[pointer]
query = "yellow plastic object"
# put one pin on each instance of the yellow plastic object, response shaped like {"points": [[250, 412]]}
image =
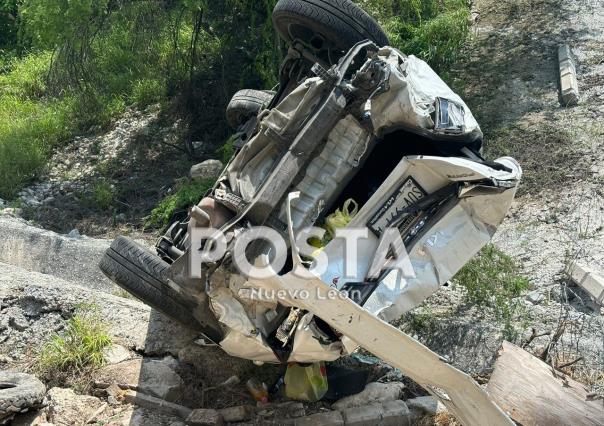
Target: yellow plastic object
{"points": [[338, 219], [306, 382], [341, 218]]}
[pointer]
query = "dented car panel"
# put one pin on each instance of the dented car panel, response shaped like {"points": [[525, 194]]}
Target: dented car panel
{"points": [[440, 248], [441, 197]]}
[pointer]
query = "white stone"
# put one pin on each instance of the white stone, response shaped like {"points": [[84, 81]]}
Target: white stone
{"points": [[396, 413], [330, 418], [426, 405], [74, 233], [116, 354], [569, 88], [66, 408], [373, 392], [209, 169], [535, 297], [391, 413], [590, 280]]}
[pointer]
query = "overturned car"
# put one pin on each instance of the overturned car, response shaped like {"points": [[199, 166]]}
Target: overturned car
{"points": [[256, 267]]}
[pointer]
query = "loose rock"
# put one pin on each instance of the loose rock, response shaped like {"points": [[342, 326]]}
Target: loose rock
{"points": [[425, 405], [209, 169], [330, 418], [116, 354], [154, 377], [66, 408], [237, 414], [204, 417], [373, 392]]}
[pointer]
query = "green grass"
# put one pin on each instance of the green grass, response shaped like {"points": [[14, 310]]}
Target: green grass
{"points": [[77, 350], [433, 30], [492, 280], [102, 195], [187, 195], [29, 126], [422, 320], [107, 58]]}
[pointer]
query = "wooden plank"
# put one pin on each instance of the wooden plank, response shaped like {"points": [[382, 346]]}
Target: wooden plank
{"points": [[458, 391], [532, 394]]}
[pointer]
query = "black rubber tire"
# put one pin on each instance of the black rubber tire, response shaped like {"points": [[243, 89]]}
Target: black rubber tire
{"points": [[340, 24], [145, 275], [246, 104], [19, 392]]}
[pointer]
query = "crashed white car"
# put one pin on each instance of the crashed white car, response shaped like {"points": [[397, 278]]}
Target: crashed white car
{"points": [[379, 128]]}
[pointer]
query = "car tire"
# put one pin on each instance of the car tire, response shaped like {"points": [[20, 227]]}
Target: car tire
{"points": [[246, 104], [19, 392], [331, 26], [145, 276]]}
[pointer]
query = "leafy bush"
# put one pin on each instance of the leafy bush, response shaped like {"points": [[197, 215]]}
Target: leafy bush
{"points": [[102, 195], [8, 27], [433, 30], [28, 132], [78, 349], [187, 195], [80, 63], [492, 280]]}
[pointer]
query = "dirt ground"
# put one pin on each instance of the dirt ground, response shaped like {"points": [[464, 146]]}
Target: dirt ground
{"points": [[509, 78]]}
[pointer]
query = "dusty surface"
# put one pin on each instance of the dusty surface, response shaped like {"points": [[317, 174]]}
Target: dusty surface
{"points": [[510, 81], [34, 305]]}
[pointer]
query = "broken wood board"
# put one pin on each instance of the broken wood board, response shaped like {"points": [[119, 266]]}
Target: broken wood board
{"points": [[469, 403], [534, 394], [590, 281]]}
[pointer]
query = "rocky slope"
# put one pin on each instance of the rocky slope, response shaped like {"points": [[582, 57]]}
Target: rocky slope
{"points": [[508, 76]]}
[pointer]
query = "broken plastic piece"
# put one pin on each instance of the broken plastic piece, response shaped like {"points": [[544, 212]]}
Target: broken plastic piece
{"points": [[258, 390]]}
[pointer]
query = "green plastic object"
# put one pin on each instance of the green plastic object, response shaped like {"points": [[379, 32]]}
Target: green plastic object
{"points": [[306, 382]]}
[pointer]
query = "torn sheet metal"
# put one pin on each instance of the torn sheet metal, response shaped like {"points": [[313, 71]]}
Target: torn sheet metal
{"points": [[446, 245], [247, 347], [458, 391], [243, 339], [420, 102], [312, 345]]}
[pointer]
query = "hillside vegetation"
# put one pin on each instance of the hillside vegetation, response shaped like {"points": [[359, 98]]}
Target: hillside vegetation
{"points": [[71, 67]]}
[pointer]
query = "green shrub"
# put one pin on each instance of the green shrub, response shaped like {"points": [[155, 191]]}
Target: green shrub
{"points": [[28, 132], [148, 91], [226, 151], [102, 195], [26, 78], [492, 280], [78, 348], [433, 30], [187, 195]]}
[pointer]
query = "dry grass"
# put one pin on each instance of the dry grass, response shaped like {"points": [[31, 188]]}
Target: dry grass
{"points": [[550, 155], [440, 419]]}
